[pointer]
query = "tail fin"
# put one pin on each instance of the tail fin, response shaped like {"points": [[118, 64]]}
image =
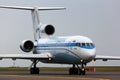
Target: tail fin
{"points": [[35, 15]]}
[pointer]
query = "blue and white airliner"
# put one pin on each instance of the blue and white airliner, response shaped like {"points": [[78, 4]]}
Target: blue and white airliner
{"points": [[75, 50]]}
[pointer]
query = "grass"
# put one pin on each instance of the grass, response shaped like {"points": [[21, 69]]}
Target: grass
{"points": [[107, 69], [13, 69], [98, 69]]}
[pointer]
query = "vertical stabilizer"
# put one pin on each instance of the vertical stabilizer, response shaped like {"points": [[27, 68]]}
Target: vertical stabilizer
{"points": [[35, 15]]}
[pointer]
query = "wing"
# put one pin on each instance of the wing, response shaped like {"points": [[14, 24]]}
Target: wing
{"points": [[105, 58], [41, 56]]}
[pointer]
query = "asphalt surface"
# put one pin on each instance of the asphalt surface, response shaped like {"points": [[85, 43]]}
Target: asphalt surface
{"points": [[21, 75]]}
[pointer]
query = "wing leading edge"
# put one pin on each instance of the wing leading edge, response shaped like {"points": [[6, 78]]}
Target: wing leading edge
{"points": [[105, 58], [41, 56]]}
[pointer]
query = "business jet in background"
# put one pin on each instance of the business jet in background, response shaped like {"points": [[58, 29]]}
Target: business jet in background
{"points": [[75, 50]]}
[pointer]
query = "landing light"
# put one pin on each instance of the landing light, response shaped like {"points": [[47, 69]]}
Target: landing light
{"points": [[93, 60], [50, 59], [83, 69], [81, 60]]}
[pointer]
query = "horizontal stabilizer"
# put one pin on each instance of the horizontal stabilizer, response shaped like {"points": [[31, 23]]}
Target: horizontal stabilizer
{"points": [[32, 8]]}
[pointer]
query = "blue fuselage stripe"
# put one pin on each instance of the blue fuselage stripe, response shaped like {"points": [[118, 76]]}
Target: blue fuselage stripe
{"points": [[65, 45]]}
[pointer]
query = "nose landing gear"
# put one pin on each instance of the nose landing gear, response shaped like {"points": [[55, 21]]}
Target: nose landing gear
{"points": [[77, 70], [73, 70]]}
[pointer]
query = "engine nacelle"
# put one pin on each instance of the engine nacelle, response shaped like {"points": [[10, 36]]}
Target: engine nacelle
{"points": [[48, 29], [27, 45]]}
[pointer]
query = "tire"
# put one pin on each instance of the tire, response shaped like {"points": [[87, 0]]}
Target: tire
{"points": [[34, 71], [82, 72], [73, 71]]}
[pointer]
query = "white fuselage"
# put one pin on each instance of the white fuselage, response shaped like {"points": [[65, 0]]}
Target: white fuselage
{"points": [[67, 50]]}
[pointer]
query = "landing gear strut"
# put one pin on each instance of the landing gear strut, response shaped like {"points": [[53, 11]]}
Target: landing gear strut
{"points": [[34, 69], [82, 70], [77, 70]]}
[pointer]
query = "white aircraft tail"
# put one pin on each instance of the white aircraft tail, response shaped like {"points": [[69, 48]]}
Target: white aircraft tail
{"points": [[35, 15]]}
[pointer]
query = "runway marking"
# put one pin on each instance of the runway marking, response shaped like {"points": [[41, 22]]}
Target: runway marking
{"points": [[52, 77]]}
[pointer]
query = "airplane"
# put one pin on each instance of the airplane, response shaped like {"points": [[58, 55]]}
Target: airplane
{"points": [[75, 50]]}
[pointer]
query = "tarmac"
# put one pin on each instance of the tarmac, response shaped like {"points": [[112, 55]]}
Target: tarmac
{"points": [[54, 75]]}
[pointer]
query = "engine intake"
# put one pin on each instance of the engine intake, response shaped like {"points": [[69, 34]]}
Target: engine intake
{"points": [[27, 45], [47, 29]]}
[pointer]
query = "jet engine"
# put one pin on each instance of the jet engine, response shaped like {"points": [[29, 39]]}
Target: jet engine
{"points": [[27, 45], [48, 29]]}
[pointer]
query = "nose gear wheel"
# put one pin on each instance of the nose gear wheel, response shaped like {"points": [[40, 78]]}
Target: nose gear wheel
{"points": [[76, 70]]}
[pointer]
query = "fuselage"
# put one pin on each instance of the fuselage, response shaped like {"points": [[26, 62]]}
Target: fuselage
{"points": [[67, 50]]}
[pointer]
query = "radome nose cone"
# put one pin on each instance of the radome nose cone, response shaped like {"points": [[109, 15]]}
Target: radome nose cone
{"points": [[90, 53]]}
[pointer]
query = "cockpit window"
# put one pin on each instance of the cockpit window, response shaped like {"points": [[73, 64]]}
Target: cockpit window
{"points": [[85, 44], [91, 44], [78, 44]]}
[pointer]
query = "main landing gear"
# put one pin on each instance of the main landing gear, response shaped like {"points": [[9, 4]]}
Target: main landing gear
{"points": [[34, 69], [77, 70]]}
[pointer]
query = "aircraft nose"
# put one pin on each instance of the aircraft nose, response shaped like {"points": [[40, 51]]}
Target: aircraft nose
{"points": [[92, 53], [89, 53]]}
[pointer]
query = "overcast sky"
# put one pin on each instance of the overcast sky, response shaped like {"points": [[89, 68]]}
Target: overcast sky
{"points": [[97, 19]]}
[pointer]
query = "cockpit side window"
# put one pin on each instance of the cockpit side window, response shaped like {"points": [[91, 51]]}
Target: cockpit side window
{"points": [[87, 44], [77, 44], [91, 44], [83, 44]]}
